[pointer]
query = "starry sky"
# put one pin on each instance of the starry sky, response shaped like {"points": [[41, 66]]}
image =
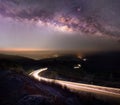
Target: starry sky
{"points": [[60, 24]]}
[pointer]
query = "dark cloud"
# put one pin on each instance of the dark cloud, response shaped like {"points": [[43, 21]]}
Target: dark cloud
{"points": [[92, 16]]}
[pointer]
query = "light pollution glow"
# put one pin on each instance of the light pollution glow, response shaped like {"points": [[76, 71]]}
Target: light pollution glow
{"points": [[65, 24]]}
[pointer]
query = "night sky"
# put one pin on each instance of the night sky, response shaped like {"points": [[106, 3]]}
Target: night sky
{"points": [[60, 24]]}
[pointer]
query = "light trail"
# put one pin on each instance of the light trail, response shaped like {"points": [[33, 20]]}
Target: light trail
{"points": [[105, 91]]}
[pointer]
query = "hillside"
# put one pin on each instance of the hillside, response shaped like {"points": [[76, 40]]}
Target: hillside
{"points": [[20, 89], [100, 68], [14, 61]]}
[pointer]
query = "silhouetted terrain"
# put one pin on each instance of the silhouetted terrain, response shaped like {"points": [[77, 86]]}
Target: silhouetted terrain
{"points": [[17, 88], [99, 68], [12, 61]]}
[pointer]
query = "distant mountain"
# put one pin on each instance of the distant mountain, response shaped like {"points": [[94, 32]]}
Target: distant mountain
{"points": [[14, 58], [7, 61], [64, 60]]}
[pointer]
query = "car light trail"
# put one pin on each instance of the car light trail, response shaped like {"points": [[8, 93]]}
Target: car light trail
{"points": [[106, 91]]}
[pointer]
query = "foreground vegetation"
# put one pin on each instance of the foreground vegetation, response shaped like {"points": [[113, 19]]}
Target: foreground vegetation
{"points": [[17, 88], [96, 69]]}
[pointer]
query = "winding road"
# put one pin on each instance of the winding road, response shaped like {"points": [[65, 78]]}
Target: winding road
{"points": [[102, 91]]}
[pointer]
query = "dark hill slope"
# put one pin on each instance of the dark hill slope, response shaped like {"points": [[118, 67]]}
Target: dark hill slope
{"points": [[105, 62], [20, 89], [14, 61]]}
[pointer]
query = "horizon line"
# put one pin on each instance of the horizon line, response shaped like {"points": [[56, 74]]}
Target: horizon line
{"points": [[22, 49]]}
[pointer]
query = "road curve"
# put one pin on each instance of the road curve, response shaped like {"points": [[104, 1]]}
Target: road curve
{"points": [[103, 91]]}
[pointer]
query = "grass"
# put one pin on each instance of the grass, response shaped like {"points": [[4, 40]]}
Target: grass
{"points": [[84, 97]]}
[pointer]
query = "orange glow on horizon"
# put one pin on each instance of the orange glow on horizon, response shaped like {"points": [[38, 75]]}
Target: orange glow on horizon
{"points": [[21, 49]]}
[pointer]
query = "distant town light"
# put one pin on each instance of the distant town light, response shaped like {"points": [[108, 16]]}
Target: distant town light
{"points": [[56, 55], [84, 59], [79, 57]]}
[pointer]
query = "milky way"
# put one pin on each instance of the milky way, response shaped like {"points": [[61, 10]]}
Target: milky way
{"points": [[85, 17]]}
